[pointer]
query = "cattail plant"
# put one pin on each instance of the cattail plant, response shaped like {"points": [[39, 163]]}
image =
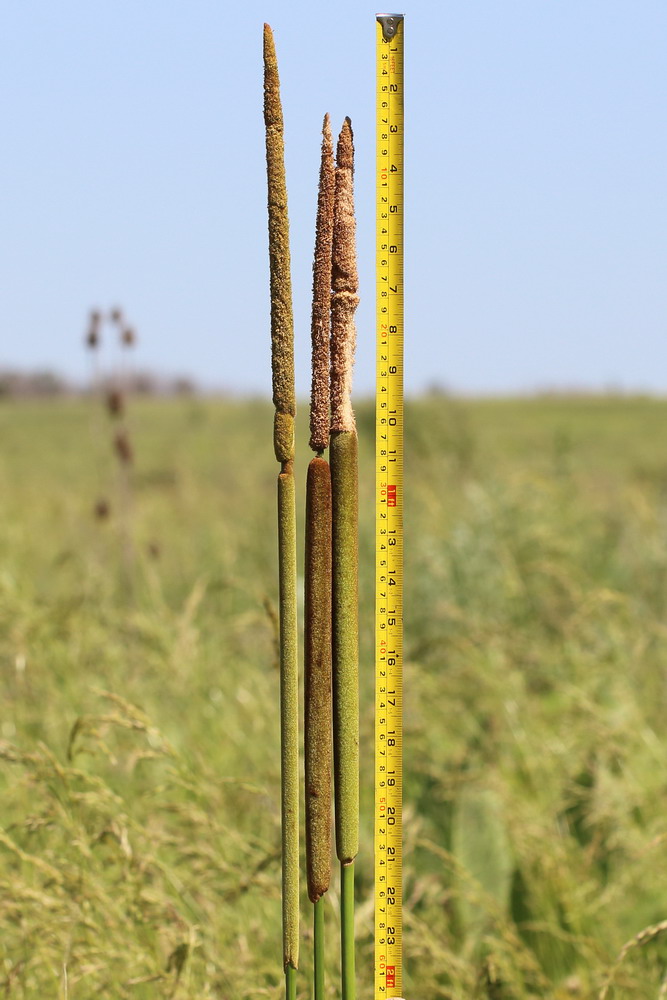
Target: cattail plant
{"points": [[318, 556], [344, 479], [282, 365], [118, 389], [93, 342], [128, 337], [93, 332]]}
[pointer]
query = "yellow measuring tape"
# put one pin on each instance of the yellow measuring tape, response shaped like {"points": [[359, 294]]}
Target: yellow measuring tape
{"points": [[389, 512]]}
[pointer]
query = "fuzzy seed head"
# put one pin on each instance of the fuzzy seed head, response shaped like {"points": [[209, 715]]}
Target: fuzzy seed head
{"points": [[344, 300], [321, 314], [282, 324]]}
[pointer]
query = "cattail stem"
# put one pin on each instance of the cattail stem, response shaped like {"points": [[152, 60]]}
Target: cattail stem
{"points": [[347, 930], [290, 982], [317, 666], [282, 366], [345, 504], [318, 937]]}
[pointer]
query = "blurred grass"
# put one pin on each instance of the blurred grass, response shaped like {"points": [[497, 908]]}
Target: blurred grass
{"points": [[139, 830]]}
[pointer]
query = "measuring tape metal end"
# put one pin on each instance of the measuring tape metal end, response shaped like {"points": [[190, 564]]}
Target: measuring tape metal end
{"points": [[389, 24]]}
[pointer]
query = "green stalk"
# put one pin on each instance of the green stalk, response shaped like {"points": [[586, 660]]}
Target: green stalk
{"points": [[290, 982], [347, 930], [318, 934]]}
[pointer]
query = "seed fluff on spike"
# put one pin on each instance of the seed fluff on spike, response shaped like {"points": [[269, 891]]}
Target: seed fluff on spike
{"points": [[321, 314], [282, 323], [344, 300]]}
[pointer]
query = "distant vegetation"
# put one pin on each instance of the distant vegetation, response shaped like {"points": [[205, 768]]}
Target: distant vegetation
{"points": [[36, 384], [139, 775]]}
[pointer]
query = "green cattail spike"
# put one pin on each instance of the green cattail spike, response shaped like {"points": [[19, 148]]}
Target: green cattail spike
{"points": [[282, 364], [344, 479], [289, 711], [282, 323], [321, 313]]}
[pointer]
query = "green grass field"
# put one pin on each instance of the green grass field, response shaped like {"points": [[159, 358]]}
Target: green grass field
{"points": [[139, 764]]}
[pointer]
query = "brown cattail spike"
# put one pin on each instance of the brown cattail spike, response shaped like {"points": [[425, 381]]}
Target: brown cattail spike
{"points": [[345, 282], [282, 324], [317, 678], [321, 315]]}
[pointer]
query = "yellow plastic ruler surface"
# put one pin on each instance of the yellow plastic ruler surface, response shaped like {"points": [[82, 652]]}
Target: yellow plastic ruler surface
{"points": [[389, 511]]}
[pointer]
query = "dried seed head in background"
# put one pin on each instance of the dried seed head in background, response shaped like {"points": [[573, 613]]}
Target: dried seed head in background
{"points": [[282, 323], [115, 403], [321, 314], [344, 300], [102, 510], [123, 448], [93, 334], [128, 337], [116, 315]]}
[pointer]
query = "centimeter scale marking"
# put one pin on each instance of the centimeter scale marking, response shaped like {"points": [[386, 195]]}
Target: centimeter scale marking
{"points": [[389, 511]]}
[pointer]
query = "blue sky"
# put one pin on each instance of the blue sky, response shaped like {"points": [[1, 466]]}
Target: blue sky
{"points": [[536, 185]]}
